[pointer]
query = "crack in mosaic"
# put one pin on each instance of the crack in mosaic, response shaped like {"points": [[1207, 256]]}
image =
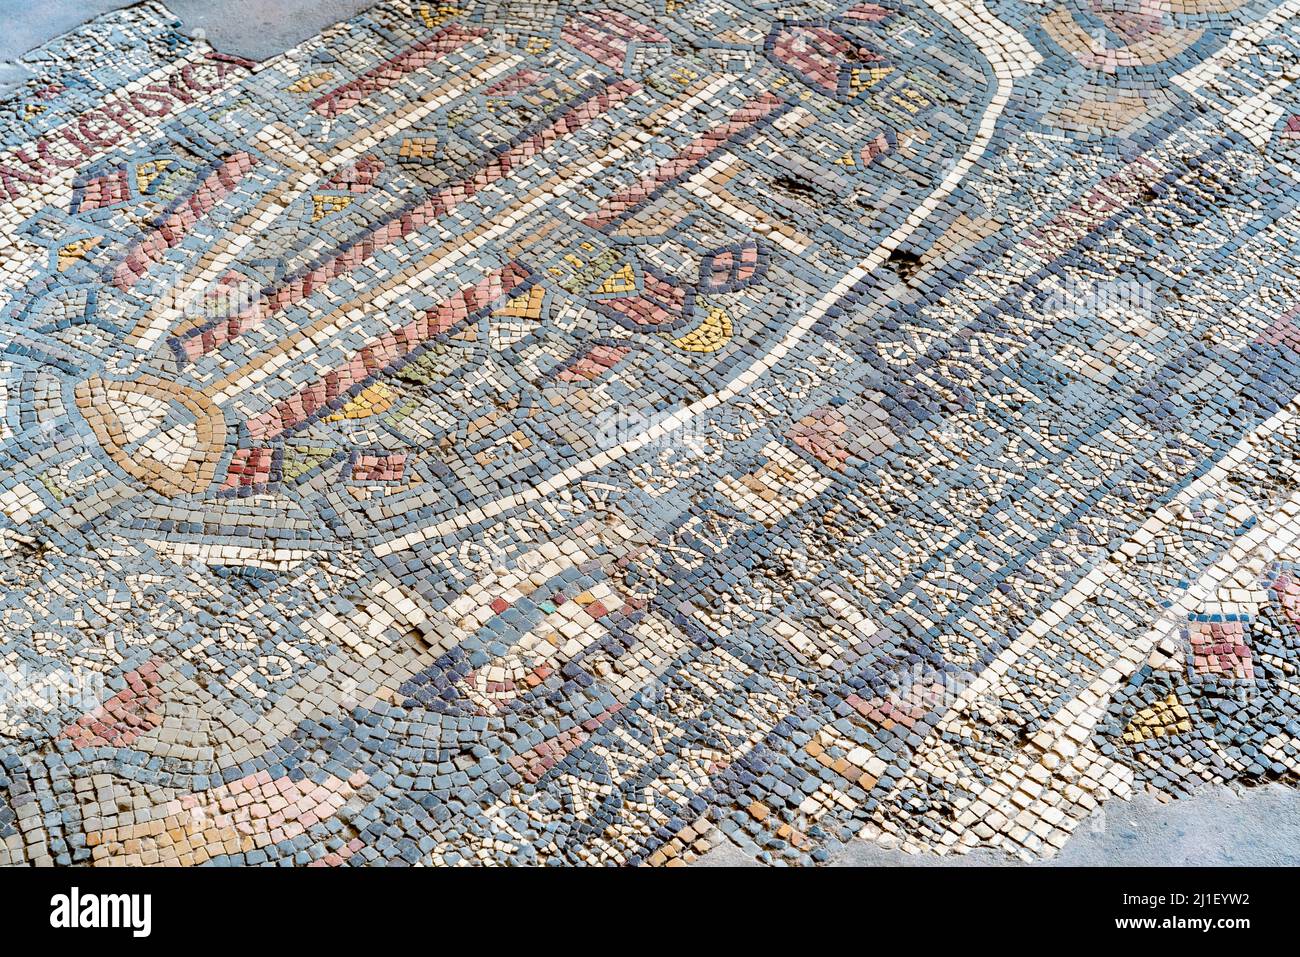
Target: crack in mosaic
{"points": [[505, 433]]}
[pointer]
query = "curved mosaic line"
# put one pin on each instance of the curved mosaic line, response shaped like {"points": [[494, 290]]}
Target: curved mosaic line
{"points": [[498, 435]]}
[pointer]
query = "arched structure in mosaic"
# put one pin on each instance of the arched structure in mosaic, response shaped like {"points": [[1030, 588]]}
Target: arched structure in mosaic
{"points": [[595, 433]]}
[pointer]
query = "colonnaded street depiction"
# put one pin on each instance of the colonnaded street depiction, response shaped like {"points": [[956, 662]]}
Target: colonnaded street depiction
{"points": [[581, 433]]}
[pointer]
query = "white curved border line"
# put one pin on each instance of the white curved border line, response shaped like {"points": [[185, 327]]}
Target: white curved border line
{"points": [[1011, 56]]}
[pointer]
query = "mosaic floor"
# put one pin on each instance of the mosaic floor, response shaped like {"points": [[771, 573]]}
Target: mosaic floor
{"points": [[539, 432]]}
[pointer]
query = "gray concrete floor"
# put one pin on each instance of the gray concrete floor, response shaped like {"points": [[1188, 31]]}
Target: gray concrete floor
{"points": [[256, 29], [1257, 827]]}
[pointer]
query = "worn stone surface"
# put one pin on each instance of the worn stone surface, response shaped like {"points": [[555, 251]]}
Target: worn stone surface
{"points": [[523, 433]]}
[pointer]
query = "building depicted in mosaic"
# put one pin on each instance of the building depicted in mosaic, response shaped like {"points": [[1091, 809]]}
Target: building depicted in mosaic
{"points": [[550, 432]]}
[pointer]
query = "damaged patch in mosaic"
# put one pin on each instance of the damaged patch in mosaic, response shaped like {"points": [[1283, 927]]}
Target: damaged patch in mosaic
{"points": [[497, 433]]}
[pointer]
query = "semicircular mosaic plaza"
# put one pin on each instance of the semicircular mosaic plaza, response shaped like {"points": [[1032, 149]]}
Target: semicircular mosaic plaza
{"points": [[585, 433]]}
